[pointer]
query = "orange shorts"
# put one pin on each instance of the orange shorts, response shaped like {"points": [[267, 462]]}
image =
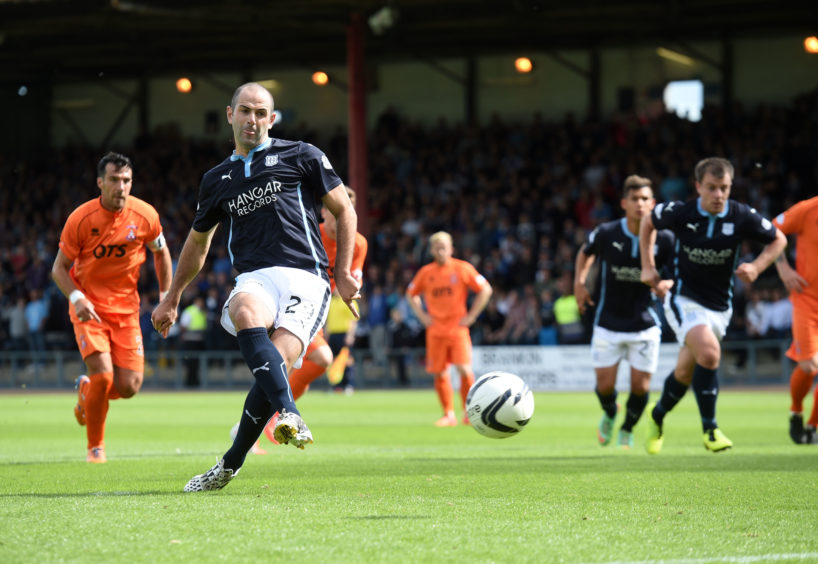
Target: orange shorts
{"points": [[317, 342], [118, 334], [804, 329], [449, 346]]}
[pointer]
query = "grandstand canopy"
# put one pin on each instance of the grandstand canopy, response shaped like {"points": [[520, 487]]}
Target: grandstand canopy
{"points": [[63, 40]]}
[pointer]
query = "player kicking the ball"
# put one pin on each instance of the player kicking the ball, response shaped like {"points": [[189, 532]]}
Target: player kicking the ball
{"points": [[266, 196]]}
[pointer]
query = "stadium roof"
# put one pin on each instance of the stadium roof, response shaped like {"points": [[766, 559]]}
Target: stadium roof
{"points": [[64, 40]]}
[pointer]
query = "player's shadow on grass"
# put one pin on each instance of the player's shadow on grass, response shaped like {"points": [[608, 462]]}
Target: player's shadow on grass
{"points": [[385, 517], [630, 462], [84, 494]]}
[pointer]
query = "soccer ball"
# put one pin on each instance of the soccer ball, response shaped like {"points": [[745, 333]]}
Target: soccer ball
{"points": [[499, 405]]}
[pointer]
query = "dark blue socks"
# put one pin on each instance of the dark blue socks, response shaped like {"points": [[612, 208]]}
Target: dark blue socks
{"points": [[267, 366], [257, 411], [608, 403], [270, 393], [706, 388], [633, 410], [672, 393]]}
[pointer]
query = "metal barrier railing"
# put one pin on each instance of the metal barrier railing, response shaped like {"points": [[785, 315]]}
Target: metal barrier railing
{"points": [[743, 363]]}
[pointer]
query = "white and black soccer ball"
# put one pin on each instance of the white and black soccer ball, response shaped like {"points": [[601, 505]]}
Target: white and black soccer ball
{"points": [[499, 405]]}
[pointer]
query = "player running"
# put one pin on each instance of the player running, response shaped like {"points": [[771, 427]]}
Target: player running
{"points": [[102, 247], [266, 196], [444, 285], [626, 325], [709, 232], [802, 283]]}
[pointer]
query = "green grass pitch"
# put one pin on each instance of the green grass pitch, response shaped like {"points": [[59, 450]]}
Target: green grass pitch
{"points": [[382, 484]]}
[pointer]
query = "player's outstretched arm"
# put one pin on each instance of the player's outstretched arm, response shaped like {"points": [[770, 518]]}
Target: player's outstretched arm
{"points": [[480, 302], [163, 265], [82, 305], [748, 272], [417, 306], [791, 279], [348, 287], [647, 243], [581, 268], [191, 261]]}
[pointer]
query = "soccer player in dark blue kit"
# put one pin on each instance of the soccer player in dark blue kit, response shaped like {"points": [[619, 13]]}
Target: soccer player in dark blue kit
{"points": [[626, 325], [709, 231], [266, 196]]}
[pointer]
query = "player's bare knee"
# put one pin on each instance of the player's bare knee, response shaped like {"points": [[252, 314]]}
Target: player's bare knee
{"points": [[709, 359], [128, 383], [810, 366], [321, 356]]}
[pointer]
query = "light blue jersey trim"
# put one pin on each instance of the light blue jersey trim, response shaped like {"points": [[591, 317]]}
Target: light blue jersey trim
{"points": [[601, 305], [230, 240], [711, 218], [249, 158], [733, 278], [307, 231], [634, 239]]}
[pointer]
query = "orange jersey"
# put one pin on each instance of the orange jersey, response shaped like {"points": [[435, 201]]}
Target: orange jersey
{"points": [[445, 289], [358, 255], [107, 249], [802, 220]]}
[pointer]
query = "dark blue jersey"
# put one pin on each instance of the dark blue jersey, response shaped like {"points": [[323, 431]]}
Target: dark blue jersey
{"points": [[624, 304], [268, 204], [707, 247]]}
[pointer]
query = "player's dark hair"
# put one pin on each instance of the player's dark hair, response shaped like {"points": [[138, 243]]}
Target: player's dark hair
{"points": [[716, 166], [117, 159], [635, 182]]}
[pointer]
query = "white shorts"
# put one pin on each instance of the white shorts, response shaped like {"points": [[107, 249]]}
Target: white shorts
{"points": [[683, 314], [298, 300], [640, 349]]}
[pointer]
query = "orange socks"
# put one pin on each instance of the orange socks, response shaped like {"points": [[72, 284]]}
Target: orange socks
{"points": [[96, 407], [444, 391], [113, 393], [813, 418], [301, 378], [800, 383], [466, 383]]}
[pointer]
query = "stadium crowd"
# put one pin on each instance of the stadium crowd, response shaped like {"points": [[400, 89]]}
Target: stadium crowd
{"points": [[519, 199]]}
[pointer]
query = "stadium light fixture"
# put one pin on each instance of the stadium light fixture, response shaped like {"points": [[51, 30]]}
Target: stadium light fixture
{"points": [[675, 56], [184, 85], [523, 65], [320, 78], [811, 44]]}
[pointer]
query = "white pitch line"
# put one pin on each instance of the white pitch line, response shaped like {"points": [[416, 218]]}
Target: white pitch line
{"points": [[728, 559]]}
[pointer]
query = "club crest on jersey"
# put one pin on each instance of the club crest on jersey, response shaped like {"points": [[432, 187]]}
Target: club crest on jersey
{"points": [[271, 160], [453, 279], [728, 228], [131, 233]]}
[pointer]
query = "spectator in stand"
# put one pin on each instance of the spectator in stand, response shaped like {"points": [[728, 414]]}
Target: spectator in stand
{"points": [[36, 312], [193, 323]]}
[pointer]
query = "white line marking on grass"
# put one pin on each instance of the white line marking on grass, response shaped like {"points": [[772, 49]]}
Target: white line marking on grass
{"points": [[730, 559]]}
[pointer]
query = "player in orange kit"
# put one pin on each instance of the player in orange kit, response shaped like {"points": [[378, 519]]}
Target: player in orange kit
{"points": [[802, 283], [444, 285], [102, 247]]}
